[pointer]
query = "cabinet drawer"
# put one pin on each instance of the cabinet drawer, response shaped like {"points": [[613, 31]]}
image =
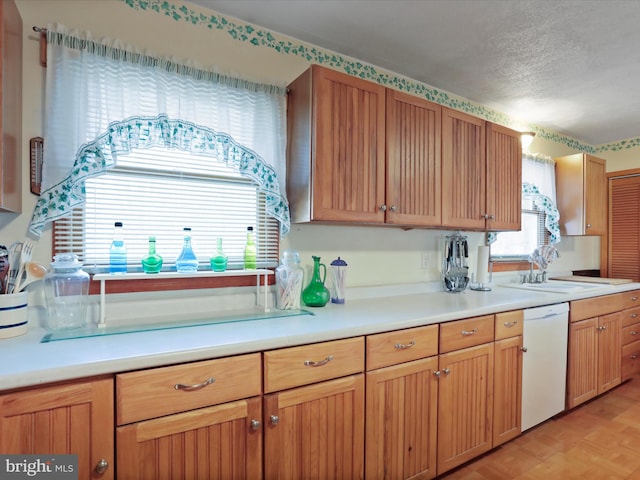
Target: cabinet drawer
{"points": [[595, 306], [631, 334], [392, 348], [630, 316], [509, 324], [631, 299], [630, 360], [466, 333], [162, 391], [291, 367]]}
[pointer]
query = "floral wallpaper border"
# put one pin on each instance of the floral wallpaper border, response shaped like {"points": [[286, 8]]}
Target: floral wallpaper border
{"points": [[244, 32]]}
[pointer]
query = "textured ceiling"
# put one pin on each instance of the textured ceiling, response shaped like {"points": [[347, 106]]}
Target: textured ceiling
{"points": [[571, 66]]}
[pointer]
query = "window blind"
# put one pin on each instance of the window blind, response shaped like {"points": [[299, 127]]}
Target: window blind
{"points": [[157, 192]]}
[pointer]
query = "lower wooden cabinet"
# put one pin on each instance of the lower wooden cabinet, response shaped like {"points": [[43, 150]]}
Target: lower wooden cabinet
{"points": [[401, 421], [73, 418], [507, 397], [465, 405], [316, 431], [218, 442], [594, 362]]}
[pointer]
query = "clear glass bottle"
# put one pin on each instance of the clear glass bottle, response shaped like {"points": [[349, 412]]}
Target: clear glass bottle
{"points": [[152, 263], [66, 289], [250, 251], [118, 251], [219, 260], [187, 260], [289, 277]]}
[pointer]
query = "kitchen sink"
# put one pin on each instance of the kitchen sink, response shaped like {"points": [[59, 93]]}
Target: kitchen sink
{"points": [[559, 286]]}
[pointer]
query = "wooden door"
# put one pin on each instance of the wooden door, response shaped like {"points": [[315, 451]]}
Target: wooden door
{"points": [[401, 421], [413, 160], [504, 178], [219, 442], [465, 405], [582, 374], [507, 397], [316, 431], [74, 418], [609, 351], [348, 171], [595, 185], [624, 228], [463, 170]]}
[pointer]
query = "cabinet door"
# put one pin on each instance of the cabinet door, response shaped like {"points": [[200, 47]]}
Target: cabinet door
{"points": [[463, 170], [624, 228], [609, 348], [218, 442], [582, 376], [401, 421], [413, 161], [507, 398], [316, 431], [465, 405], [11, 107], [595, 185], [75, 418], [504, 178], [348, 171]]}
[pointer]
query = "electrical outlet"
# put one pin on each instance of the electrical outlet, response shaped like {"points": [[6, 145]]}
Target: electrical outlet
{"points": [[425, 260]]}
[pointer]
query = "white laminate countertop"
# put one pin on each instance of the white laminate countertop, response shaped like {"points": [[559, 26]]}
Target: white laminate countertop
{"points": [[25, 361]]}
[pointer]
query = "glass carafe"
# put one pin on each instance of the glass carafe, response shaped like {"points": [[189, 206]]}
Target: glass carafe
{"points": [[66, 289], [152, 263], [316, 294]]}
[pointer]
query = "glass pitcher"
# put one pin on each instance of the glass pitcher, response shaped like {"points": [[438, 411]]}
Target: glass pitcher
{"points": [[66, 289]]}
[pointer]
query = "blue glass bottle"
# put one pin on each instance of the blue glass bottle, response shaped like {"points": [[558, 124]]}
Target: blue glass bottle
{"points": [[118, 251], [187, 260]]}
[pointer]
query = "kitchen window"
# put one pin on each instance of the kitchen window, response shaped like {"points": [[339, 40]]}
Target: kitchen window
{"points": [[158, 145], [539, 213]]}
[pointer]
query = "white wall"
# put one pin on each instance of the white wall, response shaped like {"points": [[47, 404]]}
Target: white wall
{"points": [[376, 255]]}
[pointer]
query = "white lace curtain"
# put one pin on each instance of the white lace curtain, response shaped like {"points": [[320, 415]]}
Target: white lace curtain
{"points": [[104, 99], [539, 170]]}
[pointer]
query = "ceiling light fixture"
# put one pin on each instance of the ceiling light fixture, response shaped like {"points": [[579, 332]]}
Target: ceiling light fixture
{"points": [[527, 138]]}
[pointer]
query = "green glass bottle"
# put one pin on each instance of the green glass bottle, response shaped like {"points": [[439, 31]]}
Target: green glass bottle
{"points": [[316, 294], [219, 260], [152, 263], [250, 251]]}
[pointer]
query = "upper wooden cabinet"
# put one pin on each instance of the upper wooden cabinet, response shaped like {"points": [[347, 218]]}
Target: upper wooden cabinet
{"points": [[336, 148], [482, 174], [11, 100], [361, 153], [582, 194], [413, 188]]}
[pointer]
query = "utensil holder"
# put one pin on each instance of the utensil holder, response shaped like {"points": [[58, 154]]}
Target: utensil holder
{"points": [[13, 314]]}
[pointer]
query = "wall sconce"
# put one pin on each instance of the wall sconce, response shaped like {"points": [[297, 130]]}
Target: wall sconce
{"points": [[526, 138]]}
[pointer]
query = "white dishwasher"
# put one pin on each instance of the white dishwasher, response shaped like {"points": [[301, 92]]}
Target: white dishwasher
{"points": [[544, 363]]}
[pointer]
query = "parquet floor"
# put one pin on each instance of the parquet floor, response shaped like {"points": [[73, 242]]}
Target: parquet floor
{"points": [[599, 440]]}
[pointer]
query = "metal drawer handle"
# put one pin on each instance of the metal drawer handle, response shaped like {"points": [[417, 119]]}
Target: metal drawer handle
{"points": [[633, 332], [602, 327], [634, 315], [634, 356], [524, 349], [634, 298], [195, 386], [510, 324], [404, 346], [467, 332], [255, 425], [311, 363], [274, 420]]}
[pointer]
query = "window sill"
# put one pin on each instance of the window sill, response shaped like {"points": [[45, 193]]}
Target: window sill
{"points": [[165, 281], [506, 266]]}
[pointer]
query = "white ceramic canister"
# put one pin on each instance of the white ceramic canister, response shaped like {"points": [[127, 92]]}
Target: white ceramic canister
{"points": [[13, 314]]}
